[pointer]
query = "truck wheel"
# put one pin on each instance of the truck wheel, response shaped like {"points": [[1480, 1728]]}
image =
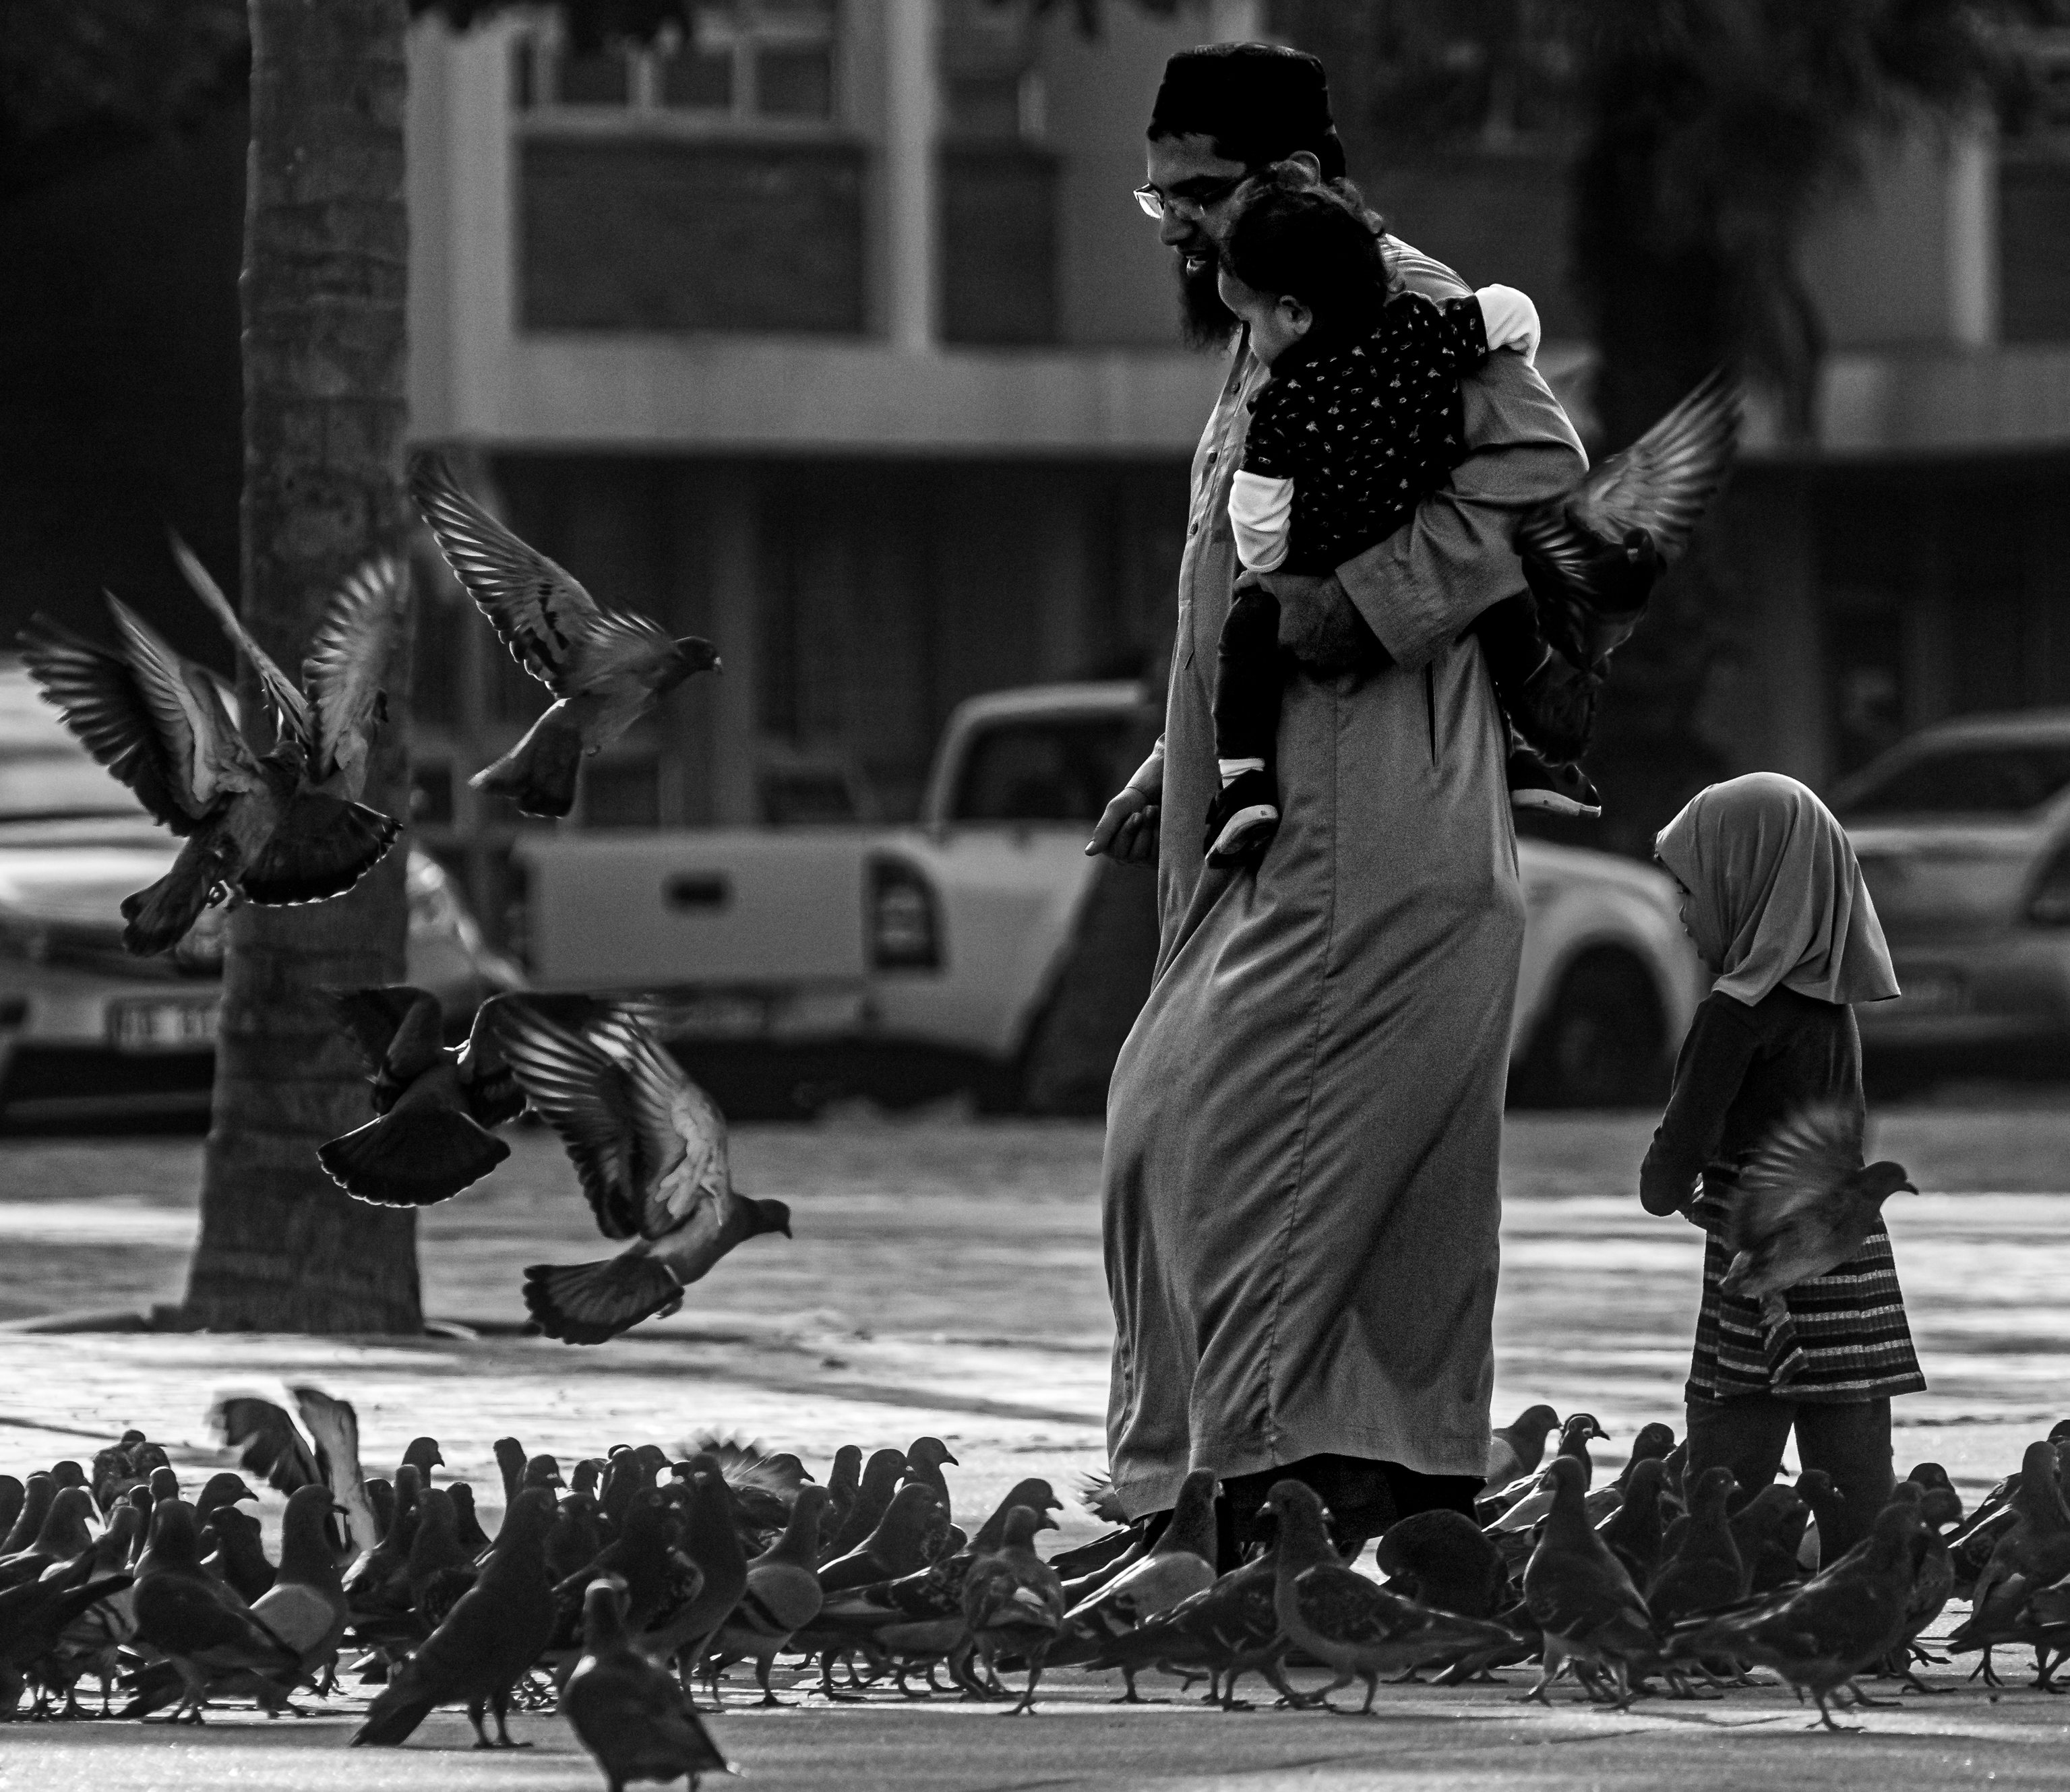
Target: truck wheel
{"points": [[1602, 1042]]}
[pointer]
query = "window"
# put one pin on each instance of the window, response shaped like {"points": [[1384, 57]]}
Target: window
{"points": [[739, 62], [1058, 769], [992, 91], [2006, 778]]}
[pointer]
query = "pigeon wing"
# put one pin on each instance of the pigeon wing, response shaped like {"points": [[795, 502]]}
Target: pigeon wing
{"points": [[494, 1095], [588, 1097], [540, 612], [147, 747], [373, 1015], [334, 1427], [347, 662], [1660, 483], [672, 1112], [286, 701], [1795, 1171], [621, 646], [266, 1441]]}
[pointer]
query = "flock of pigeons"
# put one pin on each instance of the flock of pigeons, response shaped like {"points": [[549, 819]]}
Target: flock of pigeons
{"points": [[623, 1585], [285, 824]]}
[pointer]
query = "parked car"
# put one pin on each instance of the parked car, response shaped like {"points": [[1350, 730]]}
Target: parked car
{"points": [[904, 960], [86, 1029], [1963, 832]]}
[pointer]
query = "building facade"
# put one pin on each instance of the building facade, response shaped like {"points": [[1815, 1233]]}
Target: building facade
{"points": [[830, 331]]}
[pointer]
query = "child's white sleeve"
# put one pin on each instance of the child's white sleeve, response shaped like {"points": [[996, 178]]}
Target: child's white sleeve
{"points": [[1510, 321], [1262, 514]]}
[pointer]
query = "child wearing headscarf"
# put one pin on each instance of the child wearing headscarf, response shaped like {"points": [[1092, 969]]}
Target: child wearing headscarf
{"points": [[1774, 900]]}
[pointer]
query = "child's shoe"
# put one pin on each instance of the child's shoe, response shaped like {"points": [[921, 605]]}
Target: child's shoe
{"points": [[1537, 783], [1242, 819]]}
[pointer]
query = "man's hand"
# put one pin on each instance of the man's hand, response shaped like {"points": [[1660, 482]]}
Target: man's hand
{"points": [[1320, 626], [1126, 830]]}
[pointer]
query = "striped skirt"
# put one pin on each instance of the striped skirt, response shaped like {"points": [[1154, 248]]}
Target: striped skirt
{"points": [[1844, 1337]]}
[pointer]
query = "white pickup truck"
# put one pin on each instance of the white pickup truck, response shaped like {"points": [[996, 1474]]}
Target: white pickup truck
{"points": [[902, 963]]}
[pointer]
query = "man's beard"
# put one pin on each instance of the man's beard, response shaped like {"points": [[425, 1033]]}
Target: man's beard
{"points": [[1205, 321]]}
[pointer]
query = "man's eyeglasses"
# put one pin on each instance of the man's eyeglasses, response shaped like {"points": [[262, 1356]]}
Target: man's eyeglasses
{"points": [[1155, 202]]}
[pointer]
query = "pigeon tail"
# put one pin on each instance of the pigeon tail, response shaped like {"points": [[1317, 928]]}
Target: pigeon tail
{"points": [[412, 1159], [159, 917], [538, 773], [590, 1303], [323, 846], [396, 1712]]}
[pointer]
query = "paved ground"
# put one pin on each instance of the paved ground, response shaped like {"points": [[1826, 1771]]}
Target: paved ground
{"points": [[945, 1277]]}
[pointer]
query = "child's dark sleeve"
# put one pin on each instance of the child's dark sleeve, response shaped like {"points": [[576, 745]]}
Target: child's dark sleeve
{"points": [[1269, 449], [1711, 1066], [1462, 335]]}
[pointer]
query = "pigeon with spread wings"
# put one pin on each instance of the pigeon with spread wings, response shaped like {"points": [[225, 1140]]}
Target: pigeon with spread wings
{"points": [[651, 1151], [1804, 1206], [1590, 555], [250, 824], [606, 668], [435, 1106]]}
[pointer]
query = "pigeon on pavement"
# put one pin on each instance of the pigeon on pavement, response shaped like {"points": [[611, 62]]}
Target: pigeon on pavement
{"points": [[1838, 1624], [897, 1547], [629, 1713], [606, 668], [1519, 1447], [214, 1641], [782, 1596], [651, 1151], [2033, 1553], [1013, 1600], [1578, 1593], [1705, 1572], [1355, 1629], [873, 1498], [1442, 1558], [1178, 1565], [1634, 1530], [435, 1106], [488, 1641]]}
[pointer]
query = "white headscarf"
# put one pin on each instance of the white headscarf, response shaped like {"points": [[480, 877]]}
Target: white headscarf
{"points": [[1778, 896]]}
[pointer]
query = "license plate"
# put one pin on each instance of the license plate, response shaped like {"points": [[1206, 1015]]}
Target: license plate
{"points": [[161, 1026], [1933, 992]]}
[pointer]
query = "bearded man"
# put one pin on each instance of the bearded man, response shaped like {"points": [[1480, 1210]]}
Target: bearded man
{"points": [[1304, 1126]]}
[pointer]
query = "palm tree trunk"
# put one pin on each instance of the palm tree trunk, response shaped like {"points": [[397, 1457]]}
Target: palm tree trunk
{"points": [[281, 1247]]}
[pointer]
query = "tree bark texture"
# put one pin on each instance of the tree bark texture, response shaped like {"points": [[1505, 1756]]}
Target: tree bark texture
{"points": [[282, 1248]]}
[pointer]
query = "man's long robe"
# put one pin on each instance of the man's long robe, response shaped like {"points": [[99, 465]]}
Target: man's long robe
{"points": [[1304, 1126]]}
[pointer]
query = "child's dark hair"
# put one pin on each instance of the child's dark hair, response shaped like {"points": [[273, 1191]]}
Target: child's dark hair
{"points": [[1289, 234]]}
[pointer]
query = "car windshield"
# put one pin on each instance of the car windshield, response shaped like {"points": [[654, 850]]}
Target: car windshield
{"points": [[58, 783], [1978, 778], [1056, 769]]}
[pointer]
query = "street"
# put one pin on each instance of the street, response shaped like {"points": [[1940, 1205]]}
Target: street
{"points": [[945, 1277]]}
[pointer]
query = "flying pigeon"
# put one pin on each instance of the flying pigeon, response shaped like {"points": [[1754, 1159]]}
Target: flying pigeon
{"points": [[1590, 555], [250, 824], [1804, 1206], [606, 668], [435, 1106], [267, 1443], [651, 1151]]}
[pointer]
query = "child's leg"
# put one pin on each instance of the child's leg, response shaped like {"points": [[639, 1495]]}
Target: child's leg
{"points": [[1245, 814], [1852, 1442], [1247, 680], [1746, 1434]]}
